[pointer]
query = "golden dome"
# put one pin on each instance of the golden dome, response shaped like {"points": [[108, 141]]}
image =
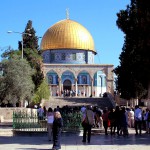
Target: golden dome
{"points": [[67, 34]]}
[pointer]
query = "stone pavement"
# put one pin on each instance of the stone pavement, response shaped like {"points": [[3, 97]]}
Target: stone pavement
{"points": [[73, 141]]}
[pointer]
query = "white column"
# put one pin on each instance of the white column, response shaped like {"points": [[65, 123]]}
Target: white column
{"points": [[127, 103], [101, 85], [83, 90], [137, 101], [76, 86], [92, 86], [59, 92]]}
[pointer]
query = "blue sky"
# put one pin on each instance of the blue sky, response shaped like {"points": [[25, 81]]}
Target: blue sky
{"points": [[97, 16]]}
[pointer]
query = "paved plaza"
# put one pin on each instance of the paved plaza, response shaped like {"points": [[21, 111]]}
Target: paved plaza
{"points": [[73, 141]]}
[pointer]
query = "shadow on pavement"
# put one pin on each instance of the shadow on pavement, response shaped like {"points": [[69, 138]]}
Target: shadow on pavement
{"points": [[76, 139]]}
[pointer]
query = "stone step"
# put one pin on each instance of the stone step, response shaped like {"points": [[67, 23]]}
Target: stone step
{"points": [[7, 123], [80, 101], [6, 131]]}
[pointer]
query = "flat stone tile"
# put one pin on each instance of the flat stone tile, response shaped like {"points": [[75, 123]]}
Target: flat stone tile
{"points": [[73, 141]]}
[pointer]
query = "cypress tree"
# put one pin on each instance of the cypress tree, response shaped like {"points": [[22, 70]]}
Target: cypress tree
{"points": [[133, 71], [32, 53]]}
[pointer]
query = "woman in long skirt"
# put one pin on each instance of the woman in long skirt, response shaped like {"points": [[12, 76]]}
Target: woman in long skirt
{"points": [[57, 128]]}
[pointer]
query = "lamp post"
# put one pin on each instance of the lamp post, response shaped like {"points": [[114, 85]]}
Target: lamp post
{"points": [[22, 33]]}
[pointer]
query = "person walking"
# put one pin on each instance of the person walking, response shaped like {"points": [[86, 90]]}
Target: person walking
{"points": [[138, 120], [123, 122], [98, 118], [50, 119], [117, 120], [40, 112], [57, 128], [111, 117], [147, 120], [105, 120], [44, 112], [131, 118], [88, 120]]}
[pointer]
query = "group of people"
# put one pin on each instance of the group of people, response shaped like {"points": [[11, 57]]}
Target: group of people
{"points": [[118, 120], [122, 118], [54, 124], [66, 93]]}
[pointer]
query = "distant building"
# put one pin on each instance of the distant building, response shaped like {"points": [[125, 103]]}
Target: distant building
{"points": [[68, 56]]}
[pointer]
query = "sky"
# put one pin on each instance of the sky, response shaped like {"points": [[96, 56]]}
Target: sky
{"points": [[97, 16]]}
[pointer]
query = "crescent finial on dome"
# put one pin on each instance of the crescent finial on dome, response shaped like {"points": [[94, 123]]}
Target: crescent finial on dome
{"points": [[67, 13]]}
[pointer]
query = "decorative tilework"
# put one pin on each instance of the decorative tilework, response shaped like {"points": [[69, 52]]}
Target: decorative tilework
{"points": [[68, 56]]}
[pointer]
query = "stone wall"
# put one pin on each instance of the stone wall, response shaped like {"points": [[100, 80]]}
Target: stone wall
{"points": [[7, 113]]}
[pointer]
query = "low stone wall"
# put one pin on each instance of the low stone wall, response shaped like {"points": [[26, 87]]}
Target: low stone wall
{"points": [[7, 113]]}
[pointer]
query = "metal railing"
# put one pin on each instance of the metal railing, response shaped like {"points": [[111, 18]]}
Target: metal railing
{"points": [[25, 121]]}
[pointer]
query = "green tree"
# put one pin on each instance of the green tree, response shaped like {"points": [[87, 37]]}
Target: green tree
{"points": [[16, 84], [133, 71], [144, 42], [30, 40], [10, 53], [32, 53], [42, 92]]}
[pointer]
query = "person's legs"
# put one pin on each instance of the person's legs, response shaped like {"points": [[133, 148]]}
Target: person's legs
{"points": [[101, 122], [114, 126], [84, 134], [56, 140], [149, 127], [50, 133], [136, 127], [121, 130], [118, 129], [105, 124], [111, 128], [89, 133], [125, 131], [140, 126], [132, 123]]}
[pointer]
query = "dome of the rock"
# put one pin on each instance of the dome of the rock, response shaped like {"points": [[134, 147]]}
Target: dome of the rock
{"points": [[67, 34]]}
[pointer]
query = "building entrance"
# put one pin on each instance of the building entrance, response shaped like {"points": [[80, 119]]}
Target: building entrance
{"points": [[67, 85]]}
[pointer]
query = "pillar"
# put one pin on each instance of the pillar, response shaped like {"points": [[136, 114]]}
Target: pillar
{"points": [[76, 87], [59, 83], [91, 86]]}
